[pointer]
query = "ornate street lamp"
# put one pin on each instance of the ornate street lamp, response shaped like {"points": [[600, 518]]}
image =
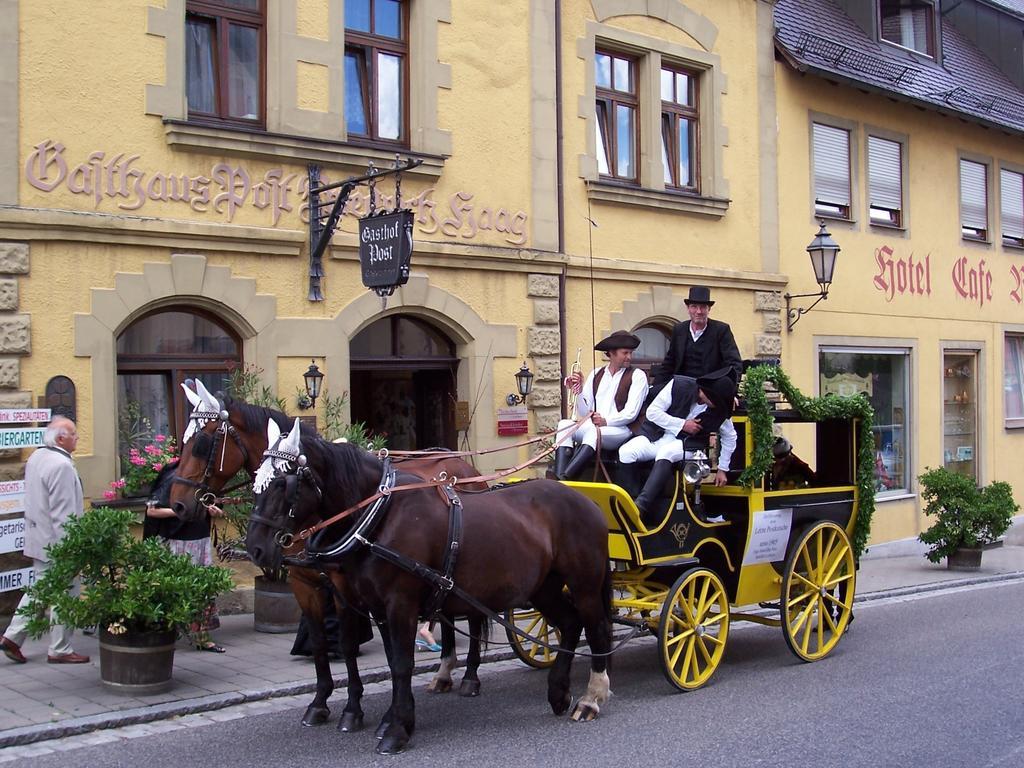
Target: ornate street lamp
{"points": [[524, 383], [822, 250], [313, 379]]}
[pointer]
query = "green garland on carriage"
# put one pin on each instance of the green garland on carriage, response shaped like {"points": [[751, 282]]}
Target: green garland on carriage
{"points": [[759, 411]]}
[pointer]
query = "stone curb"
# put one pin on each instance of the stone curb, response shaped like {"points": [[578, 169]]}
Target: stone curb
{"points": [[72, 727]]}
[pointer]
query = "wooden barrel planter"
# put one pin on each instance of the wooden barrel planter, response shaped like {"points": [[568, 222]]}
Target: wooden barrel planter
{"points": [[274, 609], [965, 559], [137, 663]]}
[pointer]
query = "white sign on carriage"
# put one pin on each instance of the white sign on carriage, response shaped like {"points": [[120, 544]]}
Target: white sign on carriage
{"points": [[769, 536]]}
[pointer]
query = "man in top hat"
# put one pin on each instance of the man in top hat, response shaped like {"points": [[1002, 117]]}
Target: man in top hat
{"points": [[680, 420], [612, 396], [700, 345]]}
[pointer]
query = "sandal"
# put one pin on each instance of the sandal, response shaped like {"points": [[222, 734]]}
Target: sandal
{"points": [[423, 645], [212, 647]]}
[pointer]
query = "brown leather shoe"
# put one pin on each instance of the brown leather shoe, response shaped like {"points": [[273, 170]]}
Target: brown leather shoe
{"points": [[12, 651], [68, 658]]}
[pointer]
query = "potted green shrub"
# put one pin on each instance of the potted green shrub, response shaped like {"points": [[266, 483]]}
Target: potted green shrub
{"points": [[967, 517], [136, 592]]}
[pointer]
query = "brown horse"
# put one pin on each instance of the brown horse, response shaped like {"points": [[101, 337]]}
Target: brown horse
{"points": [[226, 436], [520, 544]]}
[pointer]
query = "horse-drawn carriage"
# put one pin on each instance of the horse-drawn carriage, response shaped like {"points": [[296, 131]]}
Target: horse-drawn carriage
{"points": [[404, 542], [750, 552]]}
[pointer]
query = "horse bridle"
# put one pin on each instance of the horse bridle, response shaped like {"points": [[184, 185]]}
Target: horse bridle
{"points": [[285, 535], [203, 493]]}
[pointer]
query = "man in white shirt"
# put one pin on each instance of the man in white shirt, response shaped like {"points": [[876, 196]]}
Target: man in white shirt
{"points": [[679, 421], [611, 396]]}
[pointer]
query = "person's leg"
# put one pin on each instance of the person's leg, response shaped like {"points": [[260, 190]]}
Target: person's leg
{"points": [[563, 453], [587, 437]]}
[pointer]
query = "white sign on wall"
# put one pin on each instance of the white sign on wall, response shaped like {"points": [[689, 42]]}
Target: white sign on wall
{"points": [[12, 535], [769, 536], [20, 579], [31, 437], [23, 415], [12, 497]]}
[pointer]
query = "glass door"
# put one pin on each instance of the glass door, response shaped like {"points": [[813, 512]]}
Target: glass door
{"points": [[960, 412]]}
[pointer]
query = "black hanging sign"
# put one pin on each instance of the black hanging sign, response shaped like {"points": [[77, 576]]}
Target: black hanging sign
{"points": [[385, 250]]}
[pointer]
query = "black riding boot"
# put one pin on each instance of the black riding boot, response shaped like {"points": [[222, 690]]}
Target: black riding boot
{"points": [[584, 454], [652, 491], [562, 455], [627, 477]]}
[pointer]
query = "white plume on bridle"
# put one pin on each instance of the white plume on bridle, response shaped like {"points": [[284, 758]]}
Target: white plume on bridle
{"points": [[288, 444], [204, 408]]}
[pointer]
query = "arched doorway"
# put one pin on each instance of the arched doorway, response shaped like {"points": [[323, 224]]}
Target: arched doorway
{"points": [[403, 383], [155, 354]]}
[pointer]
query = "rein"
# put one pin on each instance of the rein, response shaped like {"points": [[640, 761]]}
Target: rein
{"points": [[438, 482], [484, 451]]}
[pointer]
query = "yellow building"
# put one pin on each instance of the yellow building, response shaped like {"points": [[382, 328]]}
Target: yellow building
{"points": [[900, 126], [584, 162]]}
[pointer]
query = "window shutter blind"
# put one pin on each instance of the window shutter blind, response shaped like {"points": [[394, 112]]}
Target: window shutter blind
{"points": [[831, 165], [973, 199], [885, 186], [1012, 196]]}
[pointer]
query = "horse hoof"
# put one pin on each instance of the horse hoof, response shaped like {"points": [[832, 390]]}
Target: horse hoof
{"points": [[469, 688], [315, 716], [584, 713], [439, 686], [561, 706], [350, 722], [392, 745]]}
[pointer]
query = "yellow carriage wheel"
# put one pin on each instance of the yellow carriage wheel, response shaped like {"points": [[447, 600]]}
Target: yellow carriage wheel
{"points": [[693, 628], [817, 591], [527, 651]]}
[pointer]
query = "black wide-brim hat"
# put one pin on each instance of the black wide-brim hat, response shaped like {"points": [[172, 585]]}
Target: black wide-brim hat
{"points": [[618, 340], [699, 294], [720, 389]]}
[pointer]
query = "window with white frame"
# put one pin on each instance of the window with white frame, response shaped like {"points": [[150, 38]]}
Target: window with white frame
{"points": [[1011, 207], [883, 375], [1013, 380], [909, 24], [973, 200], [885, 181], [831, 161], [615, 83]]}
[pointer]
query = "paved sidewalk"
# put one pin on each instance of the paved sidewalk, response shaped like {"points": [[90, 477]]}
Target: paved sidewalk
{"points": [[40, 701]]}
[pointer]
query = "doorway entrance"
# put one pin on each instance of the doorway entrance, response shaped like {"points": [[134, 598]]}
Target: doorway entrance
{"points": [[403, 383]]}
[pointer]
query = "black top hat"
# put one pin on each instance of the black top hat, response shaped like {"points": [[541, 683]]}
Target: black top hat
{"points": [[699, 294], [618, 340], [720, 389]]}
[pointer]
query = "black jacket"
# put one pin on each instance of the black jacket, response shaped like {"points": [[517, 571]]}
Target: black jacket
{"points": [[721, 351]]}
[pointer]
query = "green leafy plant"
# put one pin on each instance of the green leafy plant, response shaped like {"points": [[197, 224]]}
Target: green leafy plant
{"points": [[966, 517], [127, 585], [336, 428], [246, 383], [816, 409]]}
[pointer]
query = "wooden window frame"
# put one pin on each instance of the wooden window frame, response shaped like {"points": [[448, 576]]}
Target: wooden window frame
{"points": [[609, 99], [674, 112], [369, 46], [223, 16]]}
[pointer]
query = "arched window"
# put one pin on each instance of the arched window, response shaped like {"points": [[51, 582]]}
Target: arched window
{"points": [[403, 379], [654, 341], [154, 355]]}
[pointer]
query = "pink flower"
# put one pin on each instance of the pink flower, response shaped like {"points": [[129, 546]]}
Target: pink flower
{"points": [[138, 461], [159, 438], [109, 495], [158, 467], [151, 449], [119, 483]]}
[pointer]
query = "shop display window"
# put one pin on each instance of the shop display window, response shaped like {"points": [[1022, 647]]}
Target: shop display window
{"points": [[960, 412]]}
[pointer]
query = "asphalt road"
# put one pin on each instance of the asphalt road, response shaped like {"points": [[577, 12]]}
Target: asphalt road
{"points": [[927, 680]]}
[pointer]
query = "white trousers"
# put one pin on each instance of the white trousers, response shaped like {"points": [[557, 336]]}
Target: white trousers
{"points": [[586, 434], [640, 448], [60, 636]]}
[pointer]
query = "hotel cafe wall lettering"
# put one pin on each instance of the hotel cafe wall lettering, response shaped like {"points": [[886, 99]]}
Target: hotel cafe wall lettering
{"points": [[227, 188], [971, 279]]}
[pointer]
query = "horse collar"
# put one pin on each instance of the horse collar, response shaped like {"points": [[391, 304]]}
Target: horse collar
{"points": [[360, 533]]}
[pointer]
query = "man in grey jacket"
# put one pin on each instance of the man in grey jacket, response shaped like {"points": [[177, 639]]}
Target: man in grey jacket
{"points": [[53, 493]]}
